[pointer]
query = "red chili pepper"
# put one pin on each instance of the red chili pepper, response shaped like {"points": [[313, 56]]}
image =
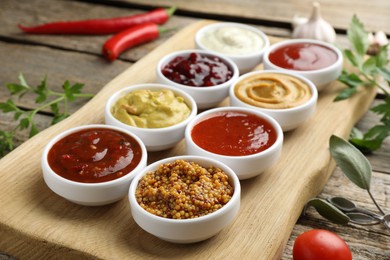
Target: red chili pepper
{"points": [[101, 26], [131, 37]]}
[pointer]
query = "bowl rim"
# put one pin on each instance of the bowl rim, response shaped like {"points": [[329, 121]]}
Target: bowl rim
{"points": [[170, 56], [46, 166], [337, 64], [263, 36], [208, 113], [153, 86], [232, 176], [313, 99]]}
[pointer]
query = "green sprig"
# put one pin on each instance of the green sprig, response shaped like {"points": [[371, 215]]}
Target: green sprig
{"points": [[44, 97], [366, 74], [357, 169]]}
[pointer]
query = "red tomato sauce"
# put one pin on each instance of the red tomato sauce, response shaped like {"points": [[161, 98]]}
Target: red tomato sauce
{"points": [[234, 133], [303, 56], [94, 155]]}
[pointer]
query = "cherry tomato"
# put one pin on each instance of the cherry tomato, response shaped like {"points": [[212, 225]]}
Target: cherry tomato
{"points": [[318, 244]]}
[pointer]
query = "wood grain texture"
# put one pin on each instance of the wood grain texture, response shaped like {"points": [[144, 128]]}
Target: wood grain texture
{"points": [[374, 13], [34, 12], [37, 222]]}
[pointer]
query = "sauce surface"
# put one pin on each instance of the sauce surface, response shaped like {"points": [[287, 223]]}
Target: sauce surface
{"points": [[94, 155], [232, 40], [234, 133], [272, 91], [184, 190], [303, 56], [197, 70], [151, 108]]}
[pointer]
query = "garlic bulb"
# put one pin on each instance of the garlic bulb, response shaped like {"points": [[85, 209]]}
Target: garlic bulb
{"points": [[315, 28], [380, 38], [298, 20], [376, 41]]}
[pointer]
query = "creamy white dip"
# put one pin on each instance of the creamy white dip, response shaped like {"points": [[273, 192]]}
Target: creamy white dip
{"points": [[232, 40]]}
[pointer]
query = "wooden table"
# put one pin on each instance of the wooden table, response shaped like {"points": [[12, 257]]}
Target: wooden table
{"points": [[78, 59]]}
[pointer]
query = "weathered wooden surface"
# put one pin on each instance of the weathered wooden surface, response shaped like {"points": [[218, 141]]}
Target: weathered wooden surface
{"points": [[77, 58], [374, 13]]}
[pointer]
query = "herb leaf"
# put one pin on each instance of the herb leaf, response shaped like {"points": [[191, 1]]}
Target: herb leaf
{"points": [[358, 36], [328, 211], [6, 142], [44, 96], [365, 74], [385, 74], [374, 137], [351, 161], [70, 91], [42, 91], [8, 106]]}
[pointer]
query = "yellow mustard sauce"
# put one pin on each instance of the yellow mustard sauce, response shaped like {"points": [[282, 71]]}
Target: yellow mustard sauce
{"points": [[151, 108]]}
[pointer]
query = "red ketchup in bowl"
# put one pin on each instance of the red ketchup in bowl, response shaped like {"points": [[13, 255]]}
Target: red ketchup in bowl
{"points": [[234, 134], [303, 56], [94, 155], [197, 70]]}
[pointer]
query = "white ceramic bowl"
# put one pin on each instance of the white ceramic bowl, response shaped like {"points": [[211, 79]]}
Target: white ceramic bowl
{"points": [[246, 166], [205, 97], [90, 194], [155, 139], [186, 230], [288, 118], [320, 77], [245, 61]]}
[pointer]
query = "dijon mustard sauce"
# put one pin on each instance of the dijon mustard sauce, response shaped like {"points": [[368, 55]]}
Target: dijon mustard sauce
{"points": [[273, 91], [151, 108]]}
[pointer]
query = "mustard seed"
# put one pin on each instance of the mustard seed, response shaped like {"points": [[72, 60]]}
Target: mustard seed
{"points": [[183, 189]]}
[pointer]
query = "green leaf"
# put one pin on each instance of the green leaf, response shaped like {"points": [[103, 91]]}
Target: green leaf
{"points": [[54, 108], [381, 58], [6, 142], [34, 130], [364, 145], [369, 66], [16, 88], [377, 132], [23, 81], [350, 79], [385, 73], [351, 161], [24, 123], [384, 110], [59, 117], [68, 92], [356, 133], [71, 91], [351, 57], [345, 94], [42, 91], [8, 106], [361, 218], [328, 211], [18, 114], [357, 36], [76, 88]]}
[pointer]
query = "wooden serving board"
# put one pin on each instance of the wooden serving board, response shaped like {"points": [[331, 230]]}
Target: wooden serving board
{"points": [[35, 223]]}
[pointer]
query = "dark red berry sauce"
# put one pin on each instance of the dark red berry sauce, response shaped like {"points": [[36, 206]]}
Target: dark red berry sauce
{"points": [[198, 70]]}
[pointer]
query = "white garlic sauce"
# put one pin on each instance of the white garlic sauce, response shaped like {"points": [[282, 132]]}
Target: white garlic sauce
{"points": [[232, 40]]}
